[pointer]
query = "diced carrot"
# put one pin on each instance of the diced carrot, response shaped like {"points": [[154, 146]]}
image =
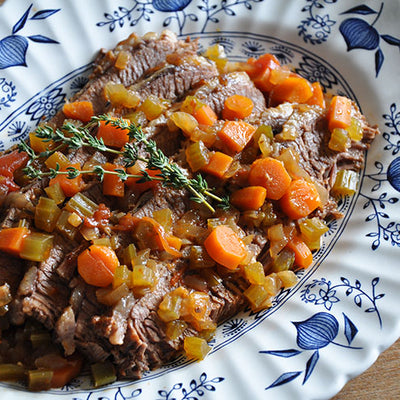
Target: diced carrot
{"points": [[225, 247], [293, 89], [265, 62], [174, 242], [317, 98], [302, 254], [236, 134], [339, 113], [271, 174], [112, 184], [218, 165], [63, 375], [300, 200], [10, 162], [205, 115], [96, 265], [237, 107], [70, 187], [133, 183], [12, 239], [112, 136], [40, 145], [162, 240], [249, 198], [82, 110]]}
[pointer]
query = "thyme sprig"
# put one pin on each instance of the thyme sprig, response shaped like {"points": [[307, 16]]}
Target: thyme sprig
{"points": [[74, 137]]}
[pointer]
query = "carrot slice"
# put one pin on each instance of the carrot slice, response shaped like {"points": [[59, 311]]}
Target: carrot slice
{"points": [[271, 174], [237, 106], [317, 98], [63, 375], [225, 247], [96, 265], [293, 89], [11, 162], [339, 113], [205, 115], [218, 165], [112, 136], [112, 184], [70, 187], [12, 239], [302, 254], [249, 198], [301, 199], [236, 134], [82, 110]]}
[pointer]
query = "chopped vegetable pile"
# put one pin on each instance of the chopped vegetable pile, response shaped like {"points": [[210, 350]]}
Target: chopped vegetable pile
{"points": [[236, 207]]}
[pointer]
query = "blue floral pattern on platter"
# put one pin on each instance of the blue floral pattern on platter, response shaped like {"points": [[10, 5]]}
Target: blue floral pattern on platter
{"points": [[143, 9], [13, 48], [357, 33]]}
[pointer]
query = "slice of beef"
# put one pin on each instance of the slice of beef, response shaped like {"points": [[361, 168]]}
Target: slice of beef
{"points": [[215, 91]]}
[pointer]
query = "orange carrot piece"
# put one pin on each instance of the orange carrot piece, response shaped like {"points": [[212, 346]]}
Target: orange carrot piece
{"points": [[272, 175], [237, 107], [293, 89], [249, 198], [236, 134], [133, 183], [225, 247], [11, 162], [262, 65], [218, 165], [339, 113], [70, 187], [112, 184], [205, 115], [12, 239], [112, 136], [317, 98], [63, 375], [301, 199], [164, 242], [82, 110], [97, 264], [302, 254]]}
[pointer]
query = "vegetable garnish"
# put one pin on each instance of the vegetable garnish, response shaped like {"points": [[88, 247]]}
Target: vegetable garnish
{"points": [[75, 137]]}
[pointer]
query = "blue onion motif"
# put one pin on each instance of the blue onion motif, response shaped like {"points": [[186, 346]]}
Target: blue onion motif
{"points": [[170, 5], [13, 48], [47, 105], [360, 34], [314, 71], [393, 173], [316, 332], [233, 326], [252, 48], [282, 53]]}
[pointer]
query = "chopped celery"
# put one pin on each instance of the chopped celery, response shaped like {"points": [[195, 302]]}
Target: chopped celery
{"points": [[46, 214], [143, 276], [40, 338], [288, 278], [137, 117], [196, 347], [57, 158], [312, 229], [283, 261], [175, 329], [64, 227], [171, 305], [36, 246], [74, 219], [254, 273], [340, 140], [153, 106], [104, 241], [355, 130], [121, 275], [256, 295], [82, 205], [109, 296], [11, 372], [40, 379], [103, 374], [197, 155], [130, 255], [346, 182], [55, 193]]}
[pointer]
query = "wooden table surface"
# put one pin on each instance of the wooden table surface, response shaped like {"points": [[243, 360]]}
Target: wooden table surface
{"points": [[380, 382]]}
